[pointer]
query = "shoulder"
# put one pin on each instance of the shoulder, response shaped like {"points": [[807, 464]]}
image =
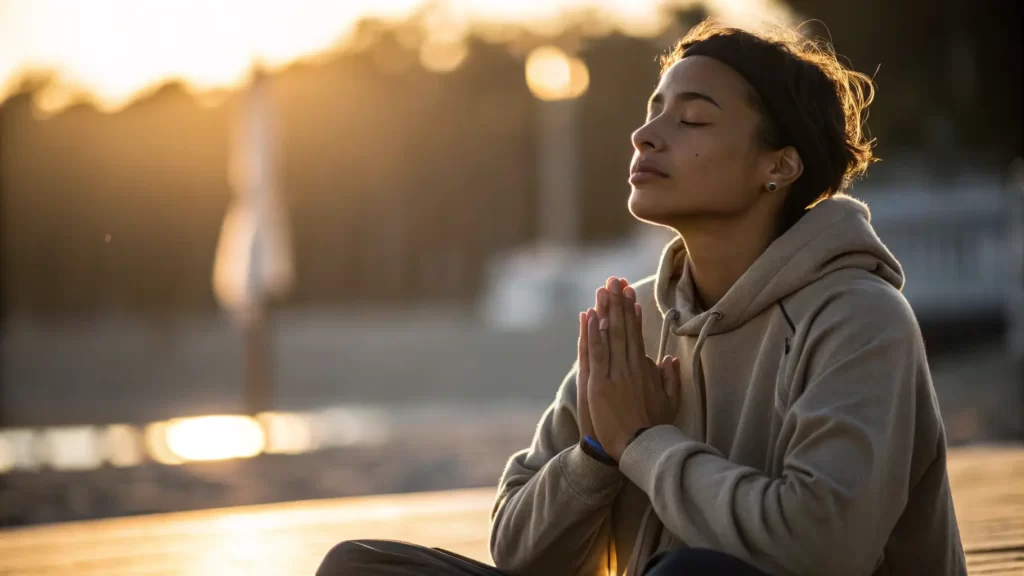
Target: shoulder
{"points": [[854, 307]]}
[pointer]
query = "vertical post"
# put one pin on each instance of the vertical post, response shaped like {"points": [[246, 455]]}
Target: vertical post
{"points": [[1016, 252], [253, 262], [4, 275], [559, 172], [254, 150], [258, 363]]}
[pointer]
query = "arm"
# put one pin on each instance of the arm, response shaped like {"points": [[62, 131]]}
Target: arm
{"points": [[552, 514], [847, 442]]}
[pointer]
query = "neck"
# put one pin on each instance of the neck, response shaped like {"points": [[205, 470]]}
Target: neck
{"points": [[722, 249]]}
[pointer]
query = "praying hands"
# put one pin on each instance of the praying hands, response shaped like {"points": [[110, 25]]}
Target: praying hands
{"points": [[620, 390]]}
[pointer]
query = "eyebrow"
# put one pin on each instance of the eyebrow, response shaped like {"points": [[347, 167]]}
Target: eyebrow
{"points": [[683, 97]]}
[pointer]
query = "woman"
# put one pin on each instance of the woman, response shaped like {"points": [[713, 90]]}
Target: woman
{"points": [[791, 426]]}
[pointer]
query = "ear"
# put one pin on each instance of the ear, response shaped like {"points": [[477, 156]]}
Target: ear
{"points": [[786, 167]]}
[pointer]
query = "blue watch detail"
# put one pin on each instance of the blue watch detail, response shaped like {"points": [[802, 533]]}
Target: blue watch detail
{"points": [[594, 449]]}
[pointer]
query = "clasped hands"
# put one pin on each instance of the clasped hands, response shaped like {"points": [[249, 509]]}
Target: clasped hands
{"points": [[619, 389]]}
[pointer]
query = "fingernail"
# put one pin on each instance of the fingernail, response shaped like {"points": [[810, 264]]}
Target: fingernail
{"points": [[630, 293], [637, 308], [604, 324], [666, 359], [602, 297], [616, 288]]}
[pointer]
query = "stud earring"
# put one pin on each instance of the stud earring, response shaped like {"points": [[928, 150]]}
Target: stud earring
{"points": [[772, 186]]}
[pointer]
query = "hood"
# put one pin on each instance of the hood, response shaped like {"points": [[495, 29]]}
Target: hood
{"points": [[835, 234]]}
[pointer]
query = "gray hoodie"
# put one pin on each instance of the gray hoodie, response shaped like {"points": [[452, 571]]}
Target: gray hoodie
{"points": [[808, 441]]}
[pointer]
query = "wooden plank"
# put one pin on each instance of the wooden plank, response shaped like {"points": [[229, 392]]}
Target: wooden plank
{"points": [[988, 493], [291, 538]]}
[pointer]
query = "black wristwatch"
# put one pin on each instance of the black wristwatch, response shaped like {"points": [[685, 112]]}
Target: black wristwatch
{"points": [[637, 434], [593, 448]]}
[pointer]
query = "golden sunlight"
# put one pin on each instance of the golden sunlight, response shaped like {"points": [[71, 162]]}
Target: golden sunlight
{"points": [[286, 433], [552, 75], [214, 437], [110, 52]]}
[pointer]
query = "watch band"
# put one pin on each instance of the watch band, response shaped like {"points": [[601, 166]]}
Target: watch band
{"points": [[594, 449], [638, 433]]}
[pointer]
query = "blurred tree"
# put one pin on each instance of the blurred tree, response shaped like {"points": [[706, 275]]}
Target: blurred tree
{"points": [[402, 183]]}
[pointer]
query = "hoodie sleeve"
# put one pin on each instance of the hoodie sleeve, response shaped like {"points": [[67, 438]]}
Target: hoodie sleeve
{"points": [[847, 442], [552, 514]]}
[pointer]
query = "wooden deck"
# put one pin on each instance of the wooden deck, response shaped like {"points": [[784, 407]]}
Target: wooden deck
{"points": [[290, 539]]}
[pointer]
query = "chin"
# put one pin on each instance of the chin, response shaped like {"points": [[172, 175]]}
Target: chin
{"points": [[651, 206]]}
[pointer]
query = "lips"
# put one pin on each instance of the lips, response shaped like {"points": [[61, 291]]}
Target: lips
{"points": [[646, 171]]}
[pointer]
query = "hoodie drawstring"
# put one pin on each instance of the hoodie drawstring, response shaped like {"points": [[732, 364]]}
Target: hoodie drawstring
{"points": [[666, 326], [698, 373]]}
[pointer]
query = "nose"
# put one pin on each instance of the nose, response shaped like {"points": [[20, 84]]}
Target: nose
{"points": [[646, 137]]}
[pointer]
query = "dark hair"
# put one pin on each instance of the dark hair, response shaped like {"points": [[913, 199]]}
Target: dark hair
{"points": [[807, 99]]}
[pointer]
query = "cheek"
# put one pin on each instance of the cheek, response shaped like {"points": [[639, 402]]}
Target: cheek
{"points": [[702, 161], [715, 171]]}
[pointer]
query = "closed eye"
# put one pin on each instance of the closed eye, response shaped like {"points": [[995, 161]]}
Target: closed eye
{"points": [[694, 123]]}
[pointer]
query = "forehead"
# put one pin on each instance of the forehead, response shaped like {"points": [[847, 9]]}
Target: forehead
{"points": [[708, 76]]}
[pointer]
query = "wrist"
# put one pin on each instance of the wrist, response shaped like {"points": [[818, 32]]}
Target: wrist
{"points": [[595, 450], [637, 434], [617, 448]]}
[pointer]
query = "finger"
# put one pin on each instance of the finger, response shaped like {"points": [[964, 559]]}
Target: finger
{"points": [[582, 379], [617, 341], [677, 384], [582, 354], [654, 371], [669, 381], [601, 303], [635, 352], [597, 347]]}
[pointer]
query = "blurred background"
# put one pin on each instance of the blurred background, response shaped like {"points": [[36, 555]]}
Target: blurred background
{"points": [[265, 251]]}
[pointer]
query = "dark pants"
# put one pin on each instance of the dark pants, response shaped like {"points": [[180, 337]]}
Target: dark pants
{"points": [[390, 558], [698, 562]]}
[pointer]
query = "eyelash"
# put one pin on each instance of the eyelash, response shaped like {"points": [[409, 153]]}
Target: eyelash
{"points": [[690, 124]]}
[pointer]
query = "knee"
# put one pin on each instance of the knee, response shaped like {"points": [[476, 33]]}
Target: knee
{"points": [[698, 561], [342, 558]]}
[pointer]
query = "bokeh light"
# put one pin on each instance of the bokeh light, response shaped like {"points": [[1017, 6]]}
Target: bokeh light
{"points": [[80, 47], [551, 74], [286, 433], [214, 437], [123, 445], [71, 448], [155, 438]]}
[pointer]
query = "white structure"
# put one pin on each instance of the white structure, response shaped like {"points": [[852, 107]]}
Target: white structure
{"points": [[254, 260], [954, 246]]}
